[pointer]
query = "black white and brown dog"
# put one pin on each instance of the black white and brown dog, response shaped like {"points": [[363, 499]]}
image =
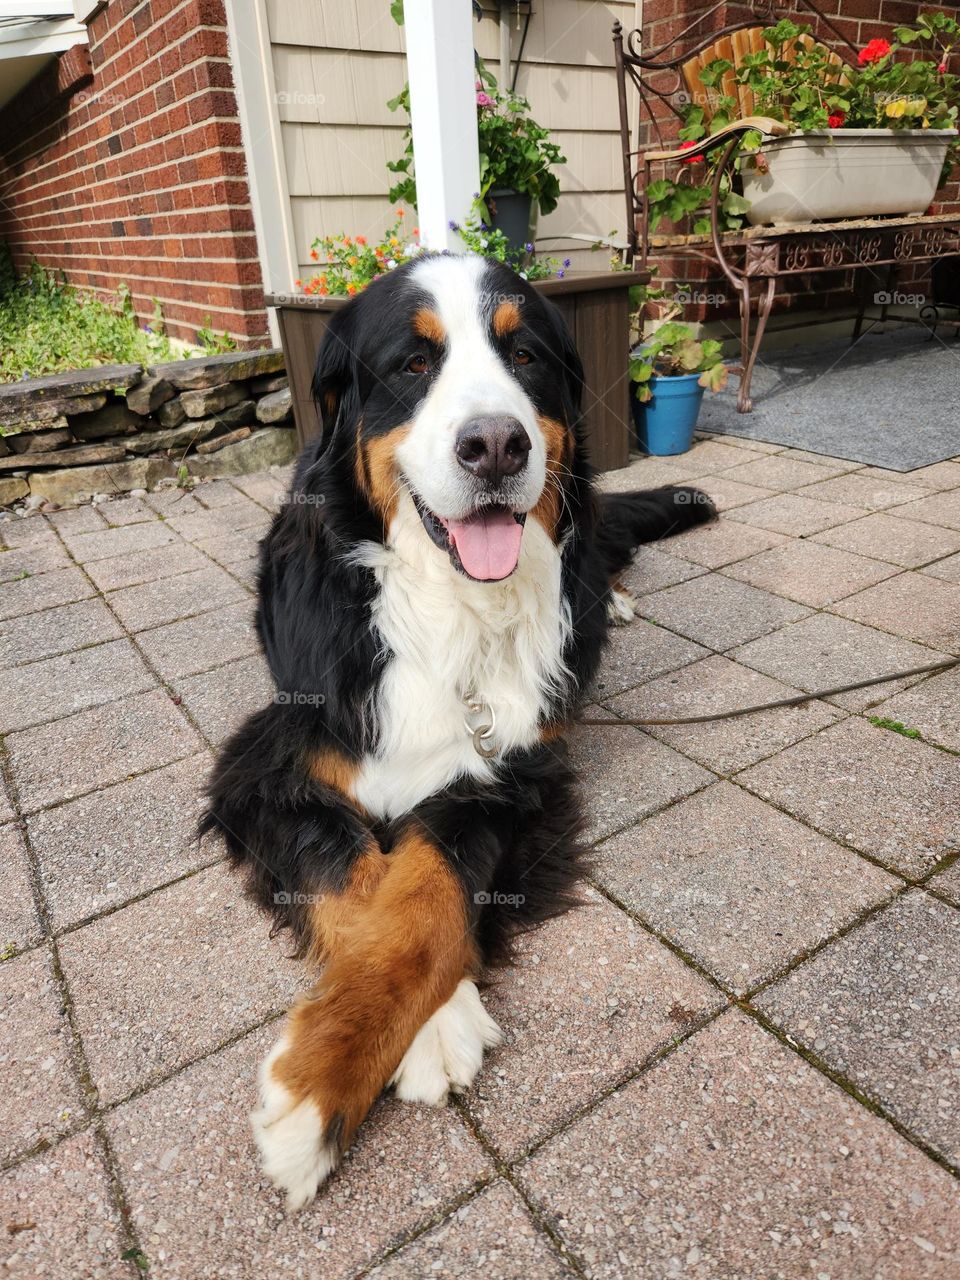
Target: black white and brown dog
{"points": [[434, 600]]}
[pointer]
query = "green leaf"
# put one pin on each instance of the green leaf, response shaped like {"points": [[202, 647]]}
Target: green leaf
{"points": [[659, 190], [734, 204], [715, 378], [689, 355]]}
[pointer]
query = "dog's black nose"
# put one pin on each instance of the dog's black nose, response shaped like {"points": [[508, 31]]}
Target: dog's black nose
{"points": [[492, 448]]}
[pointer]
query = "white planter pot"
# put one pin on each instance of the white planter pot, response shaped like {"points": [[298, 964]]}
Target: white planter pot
{"points": [[846, 173]]}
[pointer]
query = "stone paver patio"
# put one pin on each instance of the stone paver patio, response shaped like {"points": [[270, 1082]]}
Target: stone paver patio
{"points": [[740, 1058]]}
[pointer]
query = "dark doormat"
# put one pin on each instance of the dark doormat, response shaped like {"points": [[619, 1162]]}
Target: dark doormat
{"points": [[893, 400]]}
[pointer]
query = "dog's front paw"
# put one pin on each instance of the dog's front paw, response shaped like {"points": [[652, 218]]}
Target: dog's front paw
{"points": [[447, 1051], [296, 1154]]}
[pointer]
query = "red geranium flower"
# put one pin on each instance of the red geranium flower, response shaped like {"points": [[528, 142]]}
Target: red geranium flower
{"points": [[686, 146], [836, 121], [875, 51]]}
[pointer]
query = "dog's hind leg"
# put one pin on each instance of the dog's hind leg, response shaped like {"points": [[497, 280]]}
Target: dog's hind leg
{"points": [[622, 605], [626, 520], [395, 953]]}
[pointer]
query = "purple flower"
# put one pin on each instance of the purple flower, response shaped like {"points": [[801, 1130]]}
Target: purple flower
{"points": [[454, 226], [561, 274], [566, 262], [529, 248]]}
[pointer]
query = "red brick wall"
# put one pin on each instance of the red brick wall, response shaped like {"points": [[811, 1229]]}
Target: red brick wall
{"points": [[125, 165], [858, 21]]}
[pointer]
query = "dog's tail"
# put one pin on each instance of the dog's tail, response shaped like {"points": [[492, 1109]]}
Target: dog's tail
{"points": [[626, 520]]}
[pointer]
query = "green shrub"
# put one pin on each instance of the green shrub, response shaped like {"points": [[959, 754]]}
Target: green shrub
{"points": [[47, 325]]}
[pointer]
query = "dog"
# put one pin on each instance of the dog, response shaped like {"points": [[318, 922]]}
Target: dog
{"points": [[434, 598]]}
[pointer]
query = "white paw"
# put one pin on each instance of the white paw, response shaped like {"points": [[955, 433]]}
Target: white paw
{"points": [[293, 1152], [621, 607], [447, 1051]]}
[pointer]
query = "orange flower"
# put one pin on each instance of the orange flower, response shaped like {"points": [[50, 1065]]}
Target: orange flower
{"points": [[378, 252], [416, 231], [394, 241], [298, 283], [347, 241], [351, 289], [361, 239], [353, 260], [314, 255], [399, 213], [322, 290]]}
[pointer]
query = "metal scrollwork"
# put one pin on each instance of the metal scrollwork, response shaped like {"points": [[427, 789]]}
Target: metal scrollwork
{"points": [[868, 248], [797, 257]]}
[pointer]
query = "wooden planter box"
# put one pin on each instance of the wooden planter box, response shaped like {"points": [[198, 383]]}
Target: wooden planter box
{"points": [[595, 307]]}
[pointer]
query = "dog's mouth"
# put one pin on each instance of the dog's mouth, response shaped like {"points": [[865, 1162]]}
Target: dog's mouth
{"points": [[484, 545]]}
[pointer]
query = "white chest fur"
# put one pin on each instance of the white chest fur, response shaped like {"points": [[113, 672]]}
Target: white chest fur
{"points": [[448, 637]]}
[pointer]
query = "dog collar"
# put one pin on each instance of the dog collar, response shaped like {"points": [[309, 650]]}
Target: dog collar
{"points": [[480, 723]]}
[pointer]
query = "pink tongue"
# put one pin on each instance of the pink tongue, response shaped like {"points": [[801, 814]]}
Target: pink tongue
{"points": [[488, 543]]}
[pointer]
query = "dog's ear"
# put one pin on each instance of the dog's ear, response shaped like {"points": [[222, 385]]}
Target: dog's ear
{"points": [[335, 377], [568, 357]]}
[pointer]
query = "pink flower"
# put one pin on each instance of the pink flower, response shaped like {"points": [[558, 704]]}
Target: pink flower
{"points": [[942, 68], [484, 100]]}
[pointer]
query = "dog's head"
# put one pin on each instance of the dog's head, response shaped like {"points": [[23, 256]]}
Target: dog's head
{"points": [[453, 378]]}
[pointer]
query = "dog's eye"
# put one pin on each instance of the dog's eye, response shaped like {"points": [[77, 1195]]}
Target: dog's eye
{"points": [[522, 356], [417, 364]]}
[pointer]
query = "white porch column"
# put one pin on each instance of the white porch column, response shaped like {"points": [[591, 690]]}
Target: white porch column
{"points": [[443, 114]]}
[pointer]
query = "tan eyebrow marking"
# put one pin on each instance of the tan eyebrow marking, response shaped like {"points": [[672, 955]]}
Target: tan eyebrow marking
{"points": [[506, 319], [427, 324]]}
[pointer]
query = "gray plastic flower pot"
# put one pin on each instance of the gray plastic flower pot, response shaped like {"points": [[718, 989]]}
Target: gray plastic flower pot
{"points": [[846, 173], [514, 214]]}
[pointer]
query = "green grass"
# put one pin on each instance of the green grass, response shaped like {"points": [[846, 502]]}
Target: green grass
{"points": [[47, 325], [895, 726]]}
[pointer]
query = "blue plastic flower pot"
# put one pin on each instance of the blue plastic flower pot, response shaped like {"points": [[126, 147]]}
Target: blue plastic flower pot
{"points": [[665, 424]]}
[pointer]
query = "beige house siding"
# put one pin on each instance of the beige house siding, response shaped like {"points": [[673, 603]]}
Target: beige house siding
{"points": [[336, 64]]}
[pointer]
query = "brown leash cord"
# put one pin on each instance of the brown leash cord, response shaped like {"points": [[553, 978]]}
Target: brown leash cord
{"points": [[782, 702]]}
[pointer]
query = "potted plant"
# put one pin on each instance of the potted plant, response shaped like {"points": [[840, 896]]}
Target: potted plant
{"points": [[866, 140], [348, 264], [671, 370], [869, 140], [516, 178]]}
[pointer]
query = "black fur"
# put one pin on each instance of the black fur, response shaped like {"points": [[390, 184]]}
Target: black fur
{"points": [[514, 845]]}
